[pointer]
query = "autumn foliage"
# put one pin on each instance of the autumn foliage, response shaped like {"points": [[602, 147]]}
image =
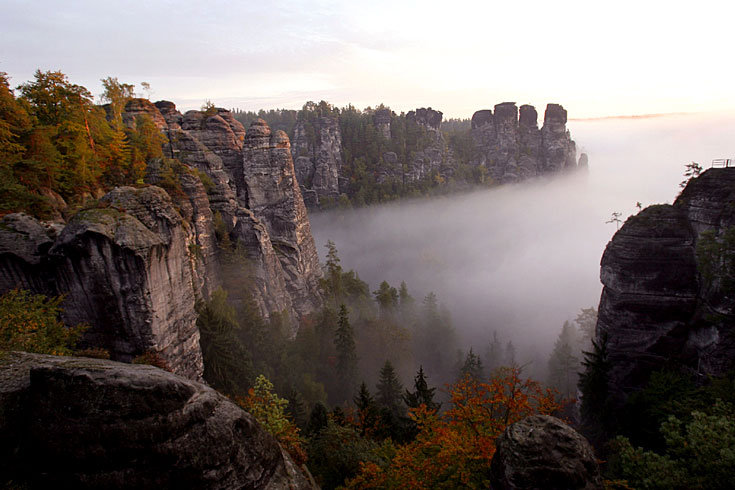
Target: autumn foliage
{"points": [[454, 449], [30, 322], [269, 409]]}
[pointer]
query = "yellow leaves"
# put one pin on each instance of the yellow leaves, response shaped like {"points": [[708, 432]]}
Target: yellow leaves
{"points": [[30, 322]]}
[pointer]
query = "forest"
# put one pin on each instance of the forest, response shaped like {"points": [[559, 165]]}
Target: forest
{"points": [[374, 390]]}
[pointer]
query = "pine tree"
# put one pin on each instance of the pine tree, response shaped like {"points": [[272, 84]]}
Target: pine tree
{"points": [[564, 363], [367, 409], [472, 366], [318, 420], [405, 300], [422, 394], [593, 384], [344, 342], [494, 353], [586, 322], [389, 390], [387, 297], [509, 358]]}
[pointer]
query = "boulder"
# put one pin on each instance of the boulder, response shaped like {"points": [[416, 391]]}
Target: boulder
{"points": [[87, 423], [543, 452]]}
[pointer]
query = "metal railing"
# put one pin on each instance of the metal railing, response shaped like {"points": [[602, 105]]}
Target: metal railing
{"points": [[723, 162]]}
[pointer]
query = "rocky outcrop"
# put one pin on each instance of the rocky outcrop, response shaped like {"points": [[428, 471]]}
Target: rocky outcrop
{"points": [[125, 270], [213, 143], [382, 119], [275, 199], [668, 297], [512, 147], [317, 155], [24, 243], [142, 107], [86, 423], [543, 452]]}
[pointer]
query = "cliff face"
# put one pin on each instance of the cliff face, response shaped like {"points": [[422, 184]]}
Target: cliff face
{"points": [[668, 296], [125, 269], [128, 426], [134, 266], [435, 157], [318, 165], [513, 148], [274, 197]]}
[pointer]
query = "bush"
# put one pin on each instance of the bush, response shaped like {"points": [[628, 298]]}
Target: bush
{"points": [[30, 322]]}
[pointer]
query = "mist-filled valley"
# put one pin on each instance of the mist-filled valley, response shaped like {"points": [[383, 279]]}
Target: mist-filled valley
{"points": [[522, 259]]}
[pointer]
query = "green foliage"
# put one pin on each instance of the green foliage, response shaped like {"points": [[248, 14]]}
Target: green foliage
{"points": [[716, 260], [389, 390], [422, 394], [30, 323], [564, 364], [594, 385], [227, 365], [700, 454], [471, 366], [344, 342], [336, 453]]}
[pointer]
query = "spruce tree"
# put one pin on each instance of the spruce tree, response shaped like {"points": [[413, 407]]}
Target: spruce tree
{"points": [[494, 353], [422, 394], [344, 342], [389, 390], [472, 366], [564, 363], [593, 383]]}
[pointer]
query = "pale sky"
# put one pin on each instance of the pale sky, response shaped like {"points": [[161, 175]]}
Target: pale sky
{"points": [[595, 58]]}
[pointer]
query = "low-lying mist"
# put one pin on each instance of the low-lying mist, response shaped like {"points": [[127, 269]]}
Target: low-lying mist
{"points": [[522, 259]]}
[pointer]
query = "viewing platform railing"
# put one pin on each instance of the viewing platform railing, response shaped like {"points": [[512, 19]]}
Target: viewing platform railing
{"points": [[723, 162]]}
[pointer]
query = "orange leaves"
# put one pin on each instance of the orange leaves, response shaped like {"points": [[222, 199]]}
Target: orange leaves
{"points": [[454, 449]]}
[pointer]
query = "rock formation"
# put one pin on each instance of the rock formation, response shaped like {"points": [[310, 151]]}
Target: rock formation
{"points": [[512, 147], [382, 119], [274, 197], [86, 423], [543, 452], [134, 266], [317, 156], [435, 156], [668, 291]]}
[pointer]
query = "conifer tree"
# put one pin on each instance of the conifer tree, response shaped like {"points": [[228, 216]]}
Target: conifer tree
{"points": [[564, 363], [389, 390], [509, 358], [494, 353], [593, 383], [472, 366], [367, 410], [421, 394], [344, 342]]}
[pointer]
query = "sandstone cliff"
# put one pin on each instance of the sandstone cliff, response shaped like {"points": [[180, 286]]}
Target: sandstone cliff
{"points": [[134, 266], [512, 147], [668, 296], [318, 157], [84, 423]]}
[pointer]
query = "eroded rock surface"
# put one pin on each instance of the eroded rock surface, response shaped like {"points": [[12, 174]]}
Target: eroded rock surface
{"points": [[512, 147], [87, 423], [543, 452], [318, 160], [661, 304]]}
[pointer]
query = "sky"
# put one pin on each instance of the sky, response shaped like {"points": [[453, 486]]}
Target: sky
{"points": [[595, 58]]}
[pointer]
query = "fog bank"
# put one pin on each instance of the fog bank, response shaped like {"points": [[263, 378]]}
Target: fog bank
{"points": [[524, 258]]}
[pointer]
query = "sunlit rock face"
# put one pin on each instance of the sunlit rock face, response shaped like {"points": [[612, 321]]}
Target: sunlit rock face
{"points": [[216, 145], [275, 198], [318, 156], [510, 145], [667, 301], [72, 422]]}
